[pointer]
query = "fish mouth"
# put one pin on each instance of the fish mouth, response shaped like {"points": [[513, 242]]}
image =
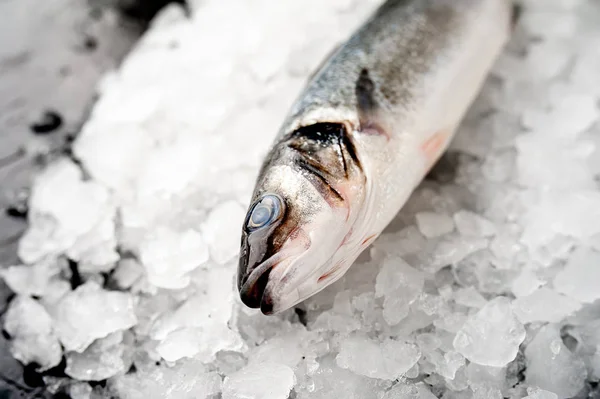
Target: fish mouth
{"points": [[252, 292], [255, 290]]}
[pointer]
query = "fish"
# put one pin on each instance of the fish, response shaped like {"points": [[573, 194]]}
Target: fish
{"points": [[367, 127]]}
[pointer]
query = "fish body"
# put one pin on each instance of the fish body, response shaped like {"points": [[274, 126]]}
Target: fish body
{"points": [[369, 125]]}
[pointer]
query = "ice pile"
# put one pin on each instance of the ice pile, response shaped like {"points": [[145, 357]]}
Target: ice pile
{"points": [[484, 286]]}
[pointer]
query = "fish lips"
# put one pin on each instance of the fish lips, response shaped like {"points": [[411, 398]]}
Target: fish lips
{"points": [[258, 257]]}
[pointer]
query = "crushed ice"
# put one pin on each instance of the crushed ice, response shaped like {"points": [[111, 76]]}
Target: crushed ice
{"points": [[484, 286]]}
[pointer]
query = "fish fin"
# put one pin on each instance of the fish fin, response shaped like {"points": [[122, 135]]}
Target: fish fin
{"points": [[433, 146], [517, 12], [369, 113]]}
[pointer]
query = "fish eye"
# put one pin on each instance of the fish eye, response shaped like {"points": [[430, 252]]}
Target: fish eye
{"points": [[265, 211]]}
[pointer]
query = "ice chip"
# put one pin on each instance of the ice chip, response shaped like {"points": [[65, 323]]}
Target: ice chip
{"points": [[326, 380], [451, 322], [401, 391], [471, 224], [286, 349], [469, 297], [487, 393], [433, 224], [577, 279], [545, 305], [387, 360], [104, 358], [406, 241], [199, 343], [222, 231], [551, 366], [89, 313], [33, 339], [492, 336], [540, 394], [186, 380], [80, 391], [446, 364], [263, 380], [486, 376], [526, 283], [127, 272], [30, 280], [169, 256], [77, 222], [399, 285], [451, 250]]}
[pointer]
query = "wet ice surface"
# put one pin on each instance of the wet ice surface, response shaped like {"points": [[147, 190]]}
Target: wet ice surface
{"points": [[485, 286]]}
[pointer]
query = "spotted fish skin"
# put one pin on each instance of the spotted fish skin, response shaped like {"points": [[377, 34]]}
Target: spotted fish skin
{"points": [[368, 126]]}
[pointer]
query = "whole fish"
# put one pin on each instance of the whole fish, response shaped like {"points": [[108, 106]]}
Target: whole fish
{"points": [[369, 125]]}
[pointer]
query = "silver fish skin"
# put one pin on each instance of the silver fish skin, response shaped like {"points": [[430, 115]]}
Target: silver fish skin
{"points": [[369, 125]]}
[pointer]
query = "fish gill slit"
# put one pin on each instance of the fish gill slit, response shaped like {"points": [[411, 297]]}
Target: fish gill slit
{"points": [[327, 134], [342, 157], [314, 171]]}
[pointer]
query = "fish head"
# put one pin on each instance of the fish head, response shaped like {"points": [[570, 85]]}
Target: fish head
{"points": [[297, 236]]}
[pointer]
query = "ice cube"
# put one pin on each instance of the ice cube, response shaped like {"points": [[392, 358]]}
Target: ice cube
{"points": [[433, 224], [471, 224], [210, 307], [499, 168], [574, 213], [89, 313], [169, 256], [30, 280], [486, 376], [526, 283], [57, 221], [551, 366], [200, 325], [186, 380], [450, 250], [446, 364], [492, 336], [401, 391], [399, 285], [544, 304], [505, 248], [469, 297], [487, 393], [127, 272], [199, 343], [33, 339], [104, 358], [577, 279], [262, 380], [286, 349], [222, 230], [332, 321], [428, 342], [326, 380], [536, 393], [80, 391], [406, 241], [387, 360], [452, 321]]}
